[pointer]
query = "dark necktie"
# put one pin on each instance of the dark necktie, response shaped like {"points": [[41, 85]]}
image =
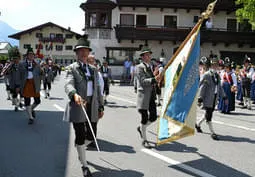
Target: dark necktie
{"points": [[84, 68], [149, 70]]}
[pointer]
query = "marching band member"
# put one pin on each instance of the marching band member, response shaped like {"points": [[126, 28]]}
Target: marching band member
{"points": [[6, 78], [229, 85], [14, 75], [47, 77], [30, 74], [246, 79]]}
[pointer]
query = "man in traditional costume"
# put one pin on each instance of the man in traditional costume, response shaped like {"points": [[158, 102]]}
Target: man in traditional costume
{"points": [[107, 76], [30, 74], [83, 89], [14, 75], [209, 90], [246, 79], [146, 94], [48, 76]]}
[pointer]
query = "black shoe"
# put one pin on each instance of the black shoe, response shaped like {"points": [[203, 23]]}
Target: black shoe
{"points": [[139, 131], [33, 114], [9, 98], [199, 130], [253, 102], [86, 172], [215, 137], [30, 121], [16, 109], [21, 105], [146, 144], [241, 103], [159, 104]]}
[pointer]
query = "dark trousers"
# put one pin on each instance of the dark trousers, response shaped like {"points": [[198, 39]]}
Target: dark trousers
{"points": [[89, 135], [209, 111], [46, 84], [80, 133], [106, 86], [209, 114], [246, 89], [27, 100], [82, 130], [152, 111], [14, 93]]}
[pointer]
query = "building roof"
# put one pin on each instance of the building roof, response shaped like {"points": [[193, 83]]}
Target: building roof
{"points": [[5, 45], [19, 34]]}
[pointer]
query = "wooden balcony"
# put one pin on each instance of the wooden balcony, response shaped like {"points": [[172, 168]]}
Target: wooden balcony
{"points": [[223, 5], [162, 33]]}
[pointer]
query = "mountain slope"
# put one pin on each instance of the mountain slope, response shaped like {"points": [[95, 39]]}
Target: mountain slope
{"points": [[5, 31]]}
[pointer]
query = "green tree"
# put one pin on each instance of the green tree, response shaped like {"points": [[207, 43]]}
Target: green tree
{"points": [[246, 11]]}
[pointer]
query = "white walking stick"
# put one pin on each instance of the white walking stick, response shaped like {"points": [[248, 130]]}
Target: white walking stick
{"points": [[90, 126]]}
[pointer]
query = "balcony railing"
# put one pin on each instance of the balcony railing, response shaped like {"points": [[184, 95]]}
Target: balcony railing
{"points": [[163, 33]]}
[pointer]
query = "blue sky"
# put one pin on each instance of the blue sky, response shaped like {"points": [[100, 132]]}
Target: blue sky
{"points": [[24, 14]]}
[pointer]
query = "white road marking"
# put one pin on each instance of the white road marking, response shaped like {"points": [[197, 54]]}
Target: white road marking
{"points": [[59, 107], [217, 122], [232, 125], [176, 163], [122, 99]]}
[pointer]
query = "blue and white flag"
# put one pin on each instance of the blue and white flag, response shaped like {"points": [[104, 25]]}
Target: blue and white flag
{"points": [[178, 114]]}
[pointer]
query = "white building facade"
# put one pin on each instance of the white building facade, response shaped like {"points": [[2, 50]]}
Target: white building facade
{"points": [[118, 29], [54, 41]]}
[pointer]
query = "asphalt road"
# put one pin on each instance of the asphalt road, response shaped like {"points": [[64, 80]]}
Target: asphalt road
{"points": [[46, 149]]}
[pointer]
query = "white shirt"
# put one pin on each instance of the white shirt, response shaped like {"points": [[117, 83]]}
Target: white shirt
{"points": [[132, 69], [30, 73], [101, 83], [89, 84], [253, 77], [234, 78], [208, 25]]}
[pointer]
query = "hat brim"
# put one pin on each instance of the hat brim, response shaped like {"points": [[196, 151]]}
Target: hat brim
{"points": [[30, 52], [80, 47], [147, 51]]}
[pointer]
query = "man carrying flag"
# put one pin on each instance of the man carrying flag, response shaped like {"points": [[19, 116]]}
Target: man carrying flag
{"points": [[177, 120], [146, 94]]}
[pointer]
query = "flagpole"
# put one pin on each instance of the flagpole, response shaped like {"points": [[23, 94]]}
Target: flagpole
{"points": [[205, 15]]}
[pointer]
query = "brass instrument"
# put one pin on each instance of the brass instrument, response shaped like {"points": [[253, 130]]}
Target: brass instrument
{"points": [[6, 69]]}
